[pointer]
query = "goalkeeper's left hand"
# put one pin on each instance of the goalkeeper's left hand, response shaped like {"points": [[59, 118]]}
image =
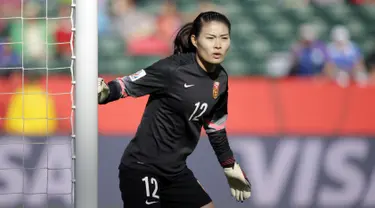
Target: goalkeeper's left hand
{"points": [[240, 186]]}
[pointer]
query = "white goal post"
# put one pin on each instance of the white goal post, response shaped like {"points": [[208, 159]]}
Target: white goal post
{"points": [[86, 107]]}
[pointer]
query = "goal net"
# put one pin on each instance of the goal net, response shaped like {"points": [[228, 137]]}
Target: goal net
{"points": [[36, 155]]}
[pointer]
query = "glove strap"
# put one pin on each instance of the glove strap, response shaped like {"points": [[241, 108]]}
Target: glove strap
{"points": [[229, 163]]}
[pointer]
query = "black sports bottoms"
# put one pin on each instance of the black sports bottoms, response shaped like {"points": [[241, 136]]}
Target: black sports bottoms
{"points": [[145, 189]]}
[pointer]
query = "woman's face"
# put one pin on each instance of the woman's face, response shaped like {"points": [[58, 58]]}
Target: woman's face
{"points": [[213, 42]]}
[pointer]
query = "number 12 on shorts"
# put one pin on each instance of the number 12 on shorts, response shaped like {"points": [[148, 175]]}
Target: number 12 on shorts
{"points": [[150, 180]]}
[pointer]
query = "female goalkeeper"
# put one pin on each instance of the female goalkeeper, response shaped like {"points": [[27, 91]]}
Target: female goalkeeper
{"points": [[187, 90]]}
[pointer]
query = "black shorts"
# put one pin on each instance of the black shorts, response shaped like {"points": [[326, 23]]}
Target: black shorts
{"points": [[140, 188]]}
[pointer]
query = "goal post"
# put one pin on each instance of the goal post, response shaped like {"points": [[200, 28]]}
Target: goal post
{"points": [[86, 107], [41, 152]]}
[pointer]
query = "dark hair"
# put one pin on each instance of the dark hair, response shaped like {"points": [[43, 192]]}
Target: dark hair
{"points": [[182, 42]]}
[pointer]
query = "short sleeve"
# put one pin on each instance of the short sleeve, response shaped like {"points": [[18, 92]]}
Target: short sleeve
{"points": [[153, 79]]}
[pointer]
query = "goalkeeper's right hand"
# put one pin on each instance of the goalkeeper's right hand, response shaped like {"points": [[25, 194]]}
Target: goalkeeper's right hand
{"points": [[103, 91]]}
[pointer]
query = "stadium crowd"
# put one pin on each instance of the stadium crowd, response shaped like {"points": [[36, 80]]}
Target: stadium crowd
{"points": [[147, 30]]}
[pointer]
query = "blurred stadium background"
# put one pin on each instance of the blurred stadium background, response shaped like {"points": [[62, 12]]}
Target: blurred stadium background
{"points": [[305, 135], [134, 34]]}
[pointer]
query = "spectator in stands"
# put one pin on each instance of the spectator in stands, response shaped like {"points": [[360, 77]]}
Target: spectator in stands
{"points": [[327, 2], [130, 22], [159, 42], [63, 34], [346, 58], [359, 2], [370, 64], [309, 55], [103, 18], [169, 19], [202, 6], [33, 47], [10, 8], [4, 28], [8, 59]]}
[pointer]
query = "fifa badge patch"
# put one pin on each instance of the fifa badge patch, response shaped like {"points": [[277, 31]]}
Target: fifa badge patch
{"points": [[215, 90], [137, 75]]}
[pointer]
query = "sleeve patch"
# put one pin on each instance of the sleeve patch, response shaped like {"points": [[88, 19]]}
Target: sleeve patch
{"points": [[137, 75]]}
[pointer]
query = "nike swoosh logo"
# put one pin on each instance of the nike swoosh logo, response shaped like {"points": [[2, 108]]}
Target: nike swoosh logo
{"points": [[187, 86], [151, 202]]}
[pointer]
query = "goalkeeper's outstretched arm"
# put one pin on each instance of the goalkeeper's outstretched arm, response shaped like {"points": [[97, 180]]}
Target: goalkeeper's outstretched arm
{"points": [[152, 79]]}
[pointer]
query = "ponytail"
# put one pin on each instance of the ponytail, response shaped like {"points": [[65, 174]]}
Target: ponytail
{"points": [[182, 42]]}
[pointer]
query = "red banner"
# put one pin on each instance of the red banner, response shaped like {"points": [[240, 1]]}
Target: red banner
{"points": [[256, 106]]}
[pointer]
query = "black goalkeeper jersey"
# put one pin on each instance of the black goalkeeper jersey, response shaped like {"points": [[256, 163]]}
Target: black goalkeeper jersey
{"points": [[183, 99]]}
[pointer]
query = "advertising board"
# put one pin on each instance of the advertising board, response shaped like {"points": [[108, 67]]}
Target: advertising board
{"points": [[284, 171]]}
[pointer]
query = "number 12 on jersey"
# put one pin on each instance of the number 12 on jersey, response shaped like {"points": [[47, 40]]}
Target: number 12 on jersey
{"points": [[199, 110]]}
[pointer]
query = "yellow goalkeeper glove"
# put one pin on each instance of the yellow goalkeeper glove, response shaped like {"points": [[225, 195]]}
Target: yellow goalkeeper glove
{"points": [[103, 91], [239, 185]]}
